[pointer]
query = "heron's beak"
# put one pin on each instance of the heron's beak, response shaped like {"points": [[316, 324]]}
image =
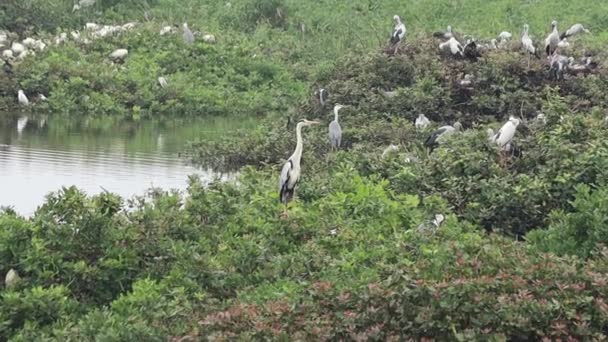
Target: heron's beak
{"points": [[314, 122]]}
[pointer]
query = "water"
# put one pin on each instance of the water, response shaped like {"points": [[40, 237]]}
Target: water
{"points": [[38, 156]]}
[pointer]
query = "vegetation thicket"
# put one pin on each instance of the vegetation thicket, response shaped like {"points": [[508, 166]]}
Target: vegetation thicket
{"points": [[520, 256]]}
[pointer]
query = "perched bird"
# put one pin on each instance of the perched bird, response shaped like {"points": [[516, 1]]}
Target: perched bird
{"points": [[563, 44], [552, 39], [323, 96], [389, 150], [528, 45], [335, 131], [290, 174], [558, 66], [11, 279], [7, 54], [188, 35], [22, 98], [432, 225], [573, 30], [453, 47], [119, 55], [541, 119], [577, 68], [17, 48], [506, 132], [398, 33], [491, 135], [444, 35], [471, 51], [209, 39], [162, 82], [440, 135], [421, 122], [467, 81], [165, 30], [505, 136], [504, 35]]}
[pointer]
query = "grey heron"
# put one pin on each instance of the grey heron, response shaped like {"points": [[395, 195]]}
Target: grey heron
{"points": [[335, 131], [22, 98], [453, 46], [552, 39], [421, 122], [398, 34], [323, 96], [290, 173], [188, 35], [528, 45], [440, 135], [574, 30]]}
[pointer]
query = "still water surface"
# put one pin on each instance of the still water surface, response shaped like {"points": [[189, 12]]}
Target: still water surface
{"points": [[38, 156]]}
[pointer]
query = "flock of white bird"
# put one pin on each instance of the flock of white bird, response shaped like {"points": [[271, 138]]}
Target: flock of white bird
{"points": [[452, 44], [13, 51]]}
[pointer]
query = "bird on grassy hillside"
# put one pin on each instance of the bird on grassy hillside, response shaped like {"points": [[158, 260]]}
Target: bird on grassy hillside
{"points": [[528, 45], [444, 35], [440, 135], [335, 131], [573, 30], [421, 122], [162, 81], [471, 51], [323, 96], [552, 39], [290, 173], [398, 33], [453, 46], [389, 150], [188, 35], [558, 66]]}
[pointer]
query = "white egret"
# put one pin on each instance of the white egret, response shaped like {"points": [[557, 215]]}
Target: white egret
{"points": [[504, 35], [22, 98], [162, 82], [335, 131], [441, 134], [505, 136], [290, 173], [421, 122], [552, 39], [188, 36]]}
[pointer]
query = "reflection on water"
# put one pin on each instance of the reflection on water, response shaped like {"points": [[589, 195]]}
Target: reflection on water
{"points": [[40, 155]]}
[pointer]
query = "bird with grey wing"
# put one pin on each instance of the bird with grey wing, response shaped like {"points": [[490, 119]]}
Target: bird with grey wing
{"points": [[291, 171], [335, 130]]}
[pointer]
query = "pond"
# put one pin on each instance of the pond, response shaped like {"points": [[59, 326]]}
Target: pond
{"points": [[41, 155]]}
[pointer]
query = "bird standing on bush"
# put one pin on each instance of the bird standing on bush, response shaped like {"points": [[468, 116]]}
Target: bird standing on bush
{"points": [[440, 134], [504, 138], [188, 35], [528, 45], [552, 39], [290, 174], [335, 131], [421, 122], [398, 33]]}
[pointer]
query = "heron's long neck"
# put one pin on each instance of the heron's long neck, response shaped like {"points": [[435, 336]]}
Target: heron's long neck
{"points": [[299, 145], [336, 115]]}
